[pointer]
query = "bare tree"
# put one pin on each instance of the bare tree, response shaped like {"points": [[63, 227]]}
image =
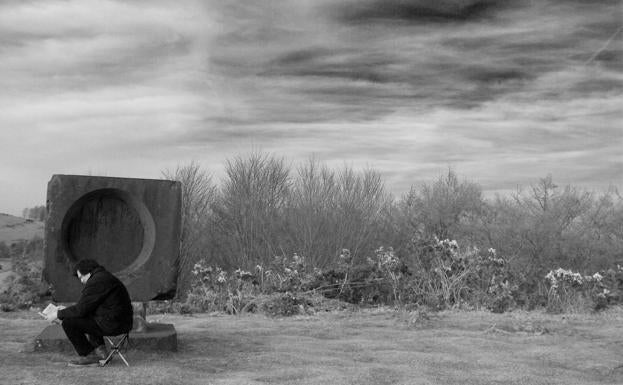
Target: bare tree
{"points": [[438, 209], [309, 214], [250, 208], [359, 206], [547, 216], [198, 195], [37, 213]]}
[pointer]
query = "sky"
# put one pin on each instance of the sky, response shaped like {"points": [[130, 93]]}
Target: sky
{"points": [[503, 92]]}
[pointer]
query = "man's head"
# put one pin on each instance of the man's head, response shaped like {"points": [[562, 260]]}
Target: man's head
{"points": [[84, 268]]}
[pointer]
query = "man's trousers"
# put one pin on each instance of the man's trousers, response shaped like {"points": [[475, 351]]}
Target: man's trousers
{"points": [[84, 334]]}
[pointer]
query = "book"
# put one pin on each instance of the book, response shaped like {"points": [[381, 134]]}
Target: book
{"points": [[49, 309]]}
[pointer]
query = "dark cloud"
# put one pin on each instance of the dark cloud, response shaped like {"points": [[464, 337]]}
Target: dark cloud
{"points": [[346, 64], [610, 58], [331, 59], [497, 76], [366, 77], [604, 85], [420, 11]]}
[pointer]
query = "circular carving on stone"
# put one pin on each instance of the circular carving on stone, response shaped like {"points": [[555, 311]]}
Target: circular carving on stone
{"points": [[110, 226]]}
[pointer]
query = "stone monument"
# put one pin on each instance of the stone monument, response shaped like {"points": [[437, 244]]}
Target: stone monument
{"points": [[129, 226]]}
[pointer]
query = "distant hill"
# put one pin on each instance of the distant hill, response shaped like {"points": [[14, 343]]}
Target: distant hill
{"points": [[14, 229]]}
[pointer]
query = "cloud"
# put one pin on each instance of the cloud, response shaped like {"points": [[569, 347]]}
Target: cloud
{"points": [[497, 91], [420, 11], [90, 85], [370, 70], [65, 61], [504, 92]]}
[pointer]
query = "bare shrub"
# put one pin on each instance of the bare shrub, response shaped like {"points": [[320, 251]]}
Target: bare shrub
{"points": [[442, 208], [546, 226], [359, 205], [5, 251], [198, 196], [37, 213], [25, 287], [330, 211], [248, 214], [262, 214], [310, 215]]}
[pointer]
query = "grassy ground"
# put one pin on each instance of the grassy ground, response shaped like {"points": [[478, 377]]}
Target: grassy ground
{"points": [[14, 229], [362, 347]]}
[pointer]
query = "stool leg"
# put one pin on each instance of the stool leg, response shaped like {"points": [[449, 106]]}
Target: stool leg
{"points": [[107, 360], [123, 358]]}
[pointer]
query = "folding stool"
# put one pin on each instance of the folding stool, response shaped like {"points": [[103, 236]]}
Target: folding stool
{"points": [[116, 343]]}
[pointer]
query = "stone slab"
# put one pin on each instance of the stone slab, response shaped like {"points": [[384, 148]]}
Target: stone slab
{"points": [[157, 337], [130, 226]]}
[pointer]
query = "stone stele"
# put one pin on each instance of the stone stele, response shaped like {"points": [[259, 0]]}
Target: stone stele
{"points": [[129, 226]]}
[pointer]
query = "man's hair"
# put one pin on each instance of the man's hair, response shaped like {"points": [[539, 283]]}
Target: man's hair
{"points": [[85, 266]]}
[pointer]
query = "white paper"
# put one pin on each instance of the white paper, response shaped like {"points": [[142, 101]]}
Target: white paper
{"points": [[49, 309]]}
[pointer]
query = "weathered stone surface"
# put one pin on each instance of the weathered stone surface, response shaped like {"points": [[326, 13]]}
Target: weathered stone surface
{"points": [[130, 226], [157, 337], [139, 311]]}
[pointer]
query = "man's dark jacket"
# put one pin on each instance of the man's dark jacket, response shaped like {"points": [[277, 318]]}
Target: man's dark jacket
{"points": [[105, 299]]}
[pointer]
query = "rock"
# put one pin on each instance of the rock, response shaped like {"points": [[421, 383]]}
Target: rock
{"points": [[130, 226]]}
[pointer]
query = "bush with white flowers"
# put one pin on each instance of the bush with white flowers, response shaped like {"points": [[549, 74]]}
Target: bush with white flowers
{"points": [[571, 291]]}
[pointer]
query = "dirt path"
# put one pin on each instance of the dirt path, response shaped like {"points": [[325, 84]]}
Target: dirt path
{"points": [[367, 347]]}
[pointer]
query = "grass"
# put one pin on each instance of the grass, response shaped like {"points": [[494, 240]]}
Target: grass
{"points": [[15, 229], [361, 347]]}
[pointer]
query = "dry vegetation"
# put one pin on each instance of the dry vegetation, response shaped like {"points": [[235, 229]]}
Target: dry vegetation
{"points": [[264, 210]]}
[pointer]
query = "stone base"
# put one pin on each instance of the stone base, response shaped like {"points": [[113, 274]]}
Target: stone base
{"points": [[157, 337]]}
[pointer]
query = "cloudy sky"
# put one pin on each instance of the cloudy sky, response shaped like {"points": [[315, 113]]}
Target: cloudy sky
{"points": [[504, 92]]}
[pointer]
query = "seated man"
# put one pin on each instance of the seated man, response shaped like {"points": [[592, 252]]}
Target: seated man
{"points": [[104, 309]]}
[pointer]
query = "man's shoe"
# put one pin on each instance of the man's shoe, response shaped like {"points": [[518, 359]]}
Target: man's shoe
{"points": [[89, 360], [100, 352]]}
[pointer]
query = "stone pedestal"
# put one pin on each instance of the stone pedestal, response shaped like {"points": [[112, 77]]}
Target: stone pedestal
{"points": [[156, 337]]}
